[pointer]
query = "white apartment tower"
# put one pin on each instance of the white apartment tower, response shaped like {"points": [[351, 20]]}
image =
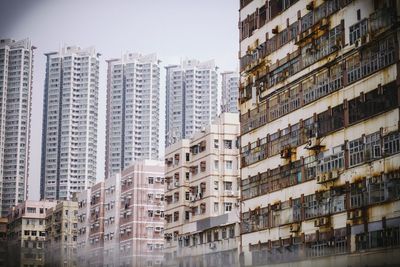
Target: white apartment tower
{"points": [[230, 92], [69, 137], [191, 98], [133, 97], [16, 62]]}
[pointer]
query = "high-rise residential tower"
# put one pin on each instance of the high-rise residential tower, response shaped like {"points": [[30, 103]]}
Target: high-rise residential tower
{"points": [[191, 98], [230, 92], [69, 137], [16, 62], [320, 141], [133, 97]]}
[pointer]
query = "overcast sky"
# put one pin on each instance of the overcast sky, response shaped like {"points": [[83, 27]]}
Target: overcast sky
{"points": [[174, 29]]}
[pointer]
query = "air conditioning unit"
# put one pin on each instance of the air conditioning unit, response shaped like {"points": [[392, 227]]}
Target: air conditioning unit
{"points": [[212, 245], [320, 178], [310, 6], [376, 151], [294, 227], [323, 221], [176, 184], [276, 206], [358, 214], [313, 143], [334, 174], [157, 229], [324, 22], [158, 179], [364, 39], [357, 43], [350, 215], [285, 153]]}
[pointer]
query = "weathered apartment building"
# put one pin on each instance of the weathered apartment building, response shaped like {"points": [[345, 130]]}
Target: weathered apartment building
{"points": [[61, 234], [319, 104], [26, 234], [121, 220], [90, 239], [202, 196]]}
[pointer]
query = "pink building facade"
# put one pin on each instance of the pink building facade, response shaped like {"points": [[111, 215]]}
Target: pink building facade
{"points": [[121, 220]]}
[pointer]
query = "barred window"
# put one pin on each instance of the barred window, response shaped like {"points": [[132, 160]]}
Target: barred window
{"points": [[391, 143], [358, 30], [356, 152]]}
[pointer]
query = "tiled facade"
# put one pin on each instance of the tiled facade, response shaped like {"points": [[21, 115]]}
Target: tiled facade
{"points": [[141, 224], [319, 104], [202, 196], [121, 220]]}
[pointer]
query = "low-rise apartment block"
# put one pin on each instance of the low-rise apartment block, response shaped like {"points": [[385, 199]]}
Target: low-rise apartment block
{"points": [[121, 220], [3, 241], [141, 222], [202, 196], [26, 234], [61, 234]]}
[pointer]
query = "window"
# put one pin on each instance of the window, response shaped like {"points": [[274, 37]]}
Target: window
{"points": [[223, 233], [176, 216], [26, 232], [150, 213], [216, 207], [391, 143], [216, 143], [187, 175], [31, 210], [216, 235], [151, 180], [227, 185], [228, 206], [187, 156], [358, 30], [216, 185], [33, 233], [216, 164], [228, 144], [232, 232], [356, 151], [187, 195], [41, 210], [228, 165]]}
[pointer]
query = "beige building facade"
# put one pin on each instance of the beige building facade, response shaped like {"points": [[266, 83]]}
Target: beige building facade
{"points": [[320, 142], [61, 234], [26, 233], [202, 196]]}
